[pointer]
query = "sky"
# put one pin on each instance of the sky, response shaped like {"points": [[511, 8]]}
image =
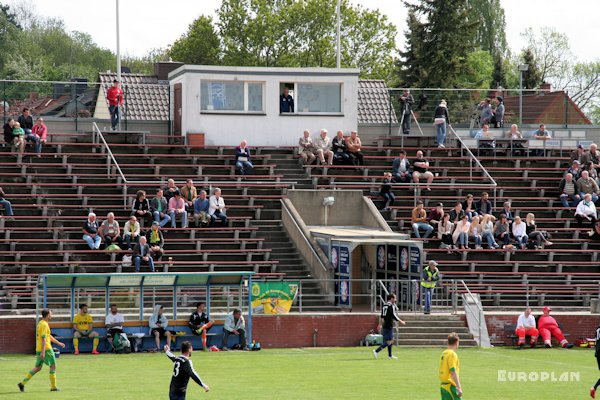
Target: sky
{"points": [[147, 24]]}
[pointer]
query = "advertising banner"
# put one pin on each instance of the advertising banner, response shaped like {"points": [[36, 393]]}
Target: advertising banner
{"points": [[273, 297]]}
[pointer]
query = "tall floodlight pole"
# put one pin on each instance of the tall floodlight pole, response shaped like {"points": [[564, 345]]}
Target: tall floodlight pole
{"points": [[118, 47], [339, 57], [522, 68]]}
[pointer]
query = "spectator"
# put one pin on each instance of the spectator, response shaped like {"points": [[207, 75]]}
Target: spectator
{"points": [[519, 231], [19, 137], [114, 323], [508, 212], [487, 230], [429, 278], [306, 148], [526, 326], [141, 254], [541, 134], [131, 231], [586, 185], [499, 113], [353, 146], [457, 212], [234, 325], [110, 231], [242, 158], [216, 207], [591, 170], [159, 207], [90, 232], [486, 111], [440, 119], [26, 121], [484, 205], [189, 194], [420, 166], [158, 324], [486, 139], [177, 209], [568, 191], [40, 132], [8, 211], [548, 327], [444, 232], [419, 221], [8, 131], [575, 170], [155, 240], [475, 232], [83, 325], [141, 207], [201, 216], [386, 191], [592, 156], [115, 102], [338, 145], [170, 189], [323, 147], [586, 211], [435, 216], [402, 168], [406, 102], [461, 233], [577, 154], [286, 102], [199, 323], [594, 234], [469, 206], [534, 234], [514, 135], [502, 230]]}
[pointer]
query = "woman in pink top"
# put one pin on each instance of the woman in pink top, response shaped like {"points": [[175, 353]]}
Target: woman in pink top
{"points": [[40, 131]]}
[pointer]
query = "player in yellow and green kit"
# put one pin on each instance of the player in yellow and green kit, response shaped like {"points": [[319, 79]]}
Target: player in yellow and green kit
{"points": [[82, 327], [450, 384], [44, 353]]}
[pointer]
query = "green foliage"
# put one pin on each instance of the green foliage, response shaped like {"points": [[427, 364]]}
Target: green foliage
{"points": [[9, 34], [479, 67], [594, 114], [499, 74], [551, 52], [532, 78], [199, 45], [491, 25]]}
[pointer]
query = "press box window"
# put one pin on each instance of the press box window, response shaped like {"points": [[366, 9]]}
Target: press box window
{"points": [[319, 98], [231, 96]]}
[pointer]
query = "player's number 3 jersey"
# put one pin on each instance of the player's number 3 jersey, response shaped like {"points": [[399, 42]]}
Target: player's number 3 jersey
{"points": [[183, 370]]}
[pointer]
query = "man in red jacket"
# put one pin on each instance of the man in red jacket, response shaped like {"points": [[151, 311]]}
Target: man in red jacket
{"points": [[115, 101], [548, 327]]}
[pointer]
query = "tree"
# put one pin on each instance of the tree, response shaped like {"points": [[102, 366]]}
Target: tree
{"points": [[404, 75], [199, 45], [491, 25], [551, 51], [478, 70], [499, 74], [9, 34], [532, 78]]}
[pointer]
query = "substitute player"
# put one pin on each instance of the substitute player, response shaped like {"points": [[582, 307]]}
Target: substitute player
{"points": [[183, 370], [44, 354], [450, 384], [593, 390], [199, 323], [388, 316], [82, 327]]}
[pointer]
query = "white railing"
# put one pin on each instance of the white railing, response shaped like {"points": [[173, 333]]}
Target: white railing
{"points": [[96, 135]]}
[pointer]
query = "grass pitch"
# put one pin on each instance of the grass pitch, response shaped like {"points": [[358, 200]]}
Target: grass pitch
{"points": [[330, 373]]}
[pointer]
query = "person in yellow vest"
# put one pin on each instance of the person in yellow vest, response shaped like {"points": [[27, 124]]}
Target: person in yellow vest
{"points": [[450, 384], [428, 281], [44, 352], [82, 326]]}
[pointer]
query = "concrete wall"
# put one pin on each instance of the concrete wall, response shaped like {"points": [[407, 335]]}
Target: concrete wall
{"points": [[69, 125]]}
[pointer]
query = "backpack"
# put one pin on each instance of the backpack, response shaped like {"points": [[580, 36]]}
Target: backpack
{"points": [[121, 344]]}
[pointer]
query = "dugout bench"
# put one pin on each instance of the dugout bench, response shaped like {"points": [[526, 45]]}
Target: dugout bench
{"points": [[509, 331]]}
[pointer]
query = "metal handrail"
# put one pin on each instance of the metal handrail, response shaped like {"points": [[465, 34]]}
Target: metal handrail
{"points": [[478, 306], [96, 132]]}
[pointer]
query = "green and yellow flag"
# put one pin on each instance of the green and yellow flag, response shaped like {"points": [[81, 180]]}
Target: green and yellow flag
{"points": [[273, 297]]}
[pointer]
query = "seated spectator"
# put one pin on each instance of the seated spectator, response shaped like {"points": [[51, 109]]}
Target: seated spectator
{"points": [[419, 220], [486, 139], [593, 156], [514, 135], [548, 327], [201, 206], [594, 234], [40, 132], [502, 231], [216, 207], [234, 325], [19, 137], [158, 324], [457, 212], [575, 170], [444, 232], [338, 146], [475, 232], [568, 192], [354, 145], [8, 131], [242, 159], [386, 191], [306, 148], [323, 148], [26, 121], [460, 236], [189, 194], [159, 207], [83, 325], [519, 231], [169, 190], [155, 240], [402, 168], [177, 209], [435, 216], [484, 205], [577, 154], [591, 170], [141, 254], [131, 231], [114, 324], [541, 134], [420, 166], [469, 207], [90, 232], [141, 208], [110, 231], [534, 234], [199, 323], [586, 211], [508, 212], [8, 211], [486, 111], [526, 326], [586, 185], [487, 230]]}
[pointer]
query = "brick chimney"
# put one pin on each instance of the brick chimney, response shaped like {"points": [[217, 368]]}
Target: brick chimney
{"points": [[546, 86], [33, 96]]}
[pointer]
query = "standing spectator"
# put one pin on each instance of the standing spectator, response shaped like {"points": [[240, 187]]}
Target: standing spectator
{"points": [[110, 231], [406, 102], [586, 211], [440, 119], [402, 168], [338, 146], [83, 327], [234, 325], [177, 209], [189, 194], [8, 211], [115, 102], [353, 146], [461, 233], [457, 212], [199, 323], [323, 148], [502, 230], [592, 156], [216, 207], [499, 112], [90, 232], [159, 207], [114, 323], [568, 191], [475, 232], [40, 131], [484, 205], [19, 137], [158, 324], [575, 170], [526, 326], [26, 121], [486, 111], [141, 207], [534, 234], [586, 185], [429, 279], [435, 216], [306, 148], [386, 321], [8, 131], [487, 230], [386, 191], [577, 154], [469, 207], [170, 189], [242, 158], [444, 232], [419, 221], [201, 216], [508, 212], [141, 254], [420, 166], [286, 102], [155, 240], [131, 231], [519, 231]]}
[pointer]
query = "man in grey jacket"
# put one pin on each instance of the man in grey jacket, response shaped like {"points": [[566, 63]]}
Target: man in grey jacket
{"points": [[234, 325], [323, 148]]}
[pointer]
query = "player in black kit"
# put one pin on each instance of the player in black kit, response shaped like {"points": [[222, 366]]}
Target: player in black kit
{"points": [[183, 370], [388, 316], [593, 390]]}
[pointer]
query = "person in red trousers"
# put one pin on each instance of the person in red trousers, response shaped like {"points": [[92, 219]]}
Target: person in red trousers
{"points": [[526, 326], [548, 327]]}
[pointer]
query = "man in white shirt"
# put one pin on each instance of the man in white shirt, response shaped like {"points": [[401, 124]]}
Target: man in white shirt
{"points": [[586, 211], [216, 207], [526, 326], [323, 148], [114, 323]]}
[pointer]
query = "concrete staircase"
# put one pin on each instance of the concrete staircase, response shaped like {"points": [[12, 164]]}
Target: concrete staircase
{"points": [[432, 330]]}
